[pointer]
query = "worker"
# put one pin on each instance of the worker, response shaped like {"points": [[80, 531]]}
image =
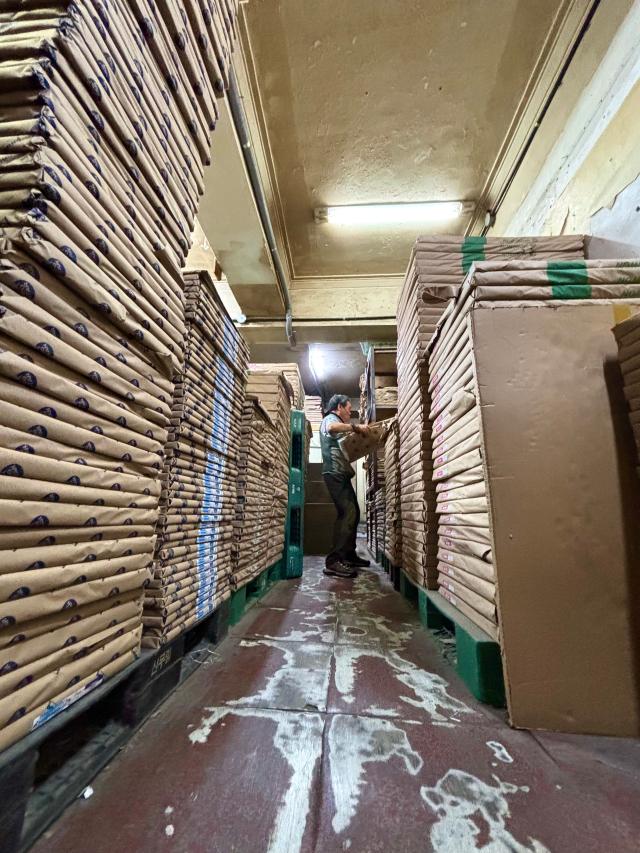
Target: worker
{"points": [[343, 561]]}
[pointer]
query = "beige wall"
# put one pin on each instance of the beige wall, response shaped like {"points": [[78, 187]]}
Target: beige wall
{"points": [[580, 173]]}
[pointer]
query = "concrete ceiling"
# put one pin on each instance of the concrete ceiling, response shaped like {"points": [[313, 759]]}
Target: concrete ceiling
{"points": [[378, 101], [353, 102], [338, 367]]}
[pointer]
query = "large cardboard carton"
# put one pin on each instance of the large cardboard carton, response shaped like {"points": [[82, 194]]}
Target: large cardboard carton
{"points": [[558, 457]]}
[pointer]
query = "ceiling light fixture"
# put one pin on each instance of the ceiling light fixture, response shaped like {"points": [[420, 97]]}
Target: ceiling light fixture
{"points": [[392, 214]]}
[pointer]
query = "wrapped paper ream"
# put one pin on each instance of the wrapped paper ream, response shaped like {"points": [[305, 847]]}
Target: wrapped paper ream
{"points": [[355, 446]]}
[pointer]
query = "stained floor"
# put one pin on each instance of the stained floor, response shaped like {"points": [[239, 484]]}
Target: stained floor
{"points": [[329, 721]]}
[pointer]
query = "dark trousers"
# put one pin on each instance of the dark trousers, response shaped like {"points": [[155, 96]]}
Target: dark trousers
{"points": [[348, 517]]}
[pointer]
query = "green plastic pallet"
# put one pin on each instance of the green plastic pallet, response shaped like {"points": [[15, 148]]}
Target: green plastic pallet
{"points": [[295, 557], [294, 539], [297, 445], [298, 420], [296, 488], [241, 599], [479, 662], [293, 552], [276, 572]]}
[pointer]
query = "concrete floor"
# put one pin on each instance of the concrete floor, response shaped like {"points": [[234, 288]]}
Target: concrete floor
{"points": [[329, 721]]}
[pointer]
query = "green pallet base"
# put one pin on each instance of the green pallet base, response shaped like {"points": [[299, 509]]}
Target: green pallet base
{"points": [[479, 662], [237, 605], [242, 599], [298, 426], [294, 534], [257, 587], [276, 572], [408, 589], [296, 488], [294, 562]]}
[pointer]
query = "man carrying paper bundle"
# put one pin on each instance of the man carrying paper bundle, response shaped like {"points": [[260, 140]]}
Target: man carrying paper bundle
{"points": [[343, 561]]}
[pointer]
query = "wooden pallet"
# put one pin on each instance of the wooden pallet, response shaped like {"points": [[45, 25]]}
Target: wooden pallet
{"points": [[479, 662], [48, 769]]}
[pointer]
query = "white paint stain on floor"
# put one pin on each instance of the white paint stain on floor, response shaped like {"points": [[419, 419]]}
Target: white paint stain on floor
{"points": [[430, 691], [500, 752], [301, 680], [300, 636], [317, 627], [353, 743], [298, 738], [377, 630], [459, 799]]}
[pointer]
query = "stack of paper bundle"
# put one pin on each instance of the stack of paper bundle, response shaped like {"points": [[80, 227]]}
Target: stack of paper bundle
{"points": [[462, 470], [374, 483], [192, 570], [252, 539], [380, 473], [363, 411], [392, 543], [627, 336], [387, 397], [104, 134], [438, 265], [313, 412], [291, 372], [538, 532], [380, 526], [275, 395]]}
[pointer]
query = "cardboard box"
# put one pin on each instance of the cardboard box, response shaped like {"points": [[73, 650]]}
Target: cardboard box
{"points": [[567, 550]]}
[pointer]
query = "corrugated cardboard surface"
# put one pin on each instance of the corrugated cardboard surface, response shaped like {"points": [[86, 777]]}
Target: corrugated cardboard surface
{"points": [[437, 268], [269, 384], [355, 446], [255, 490], [627, 334], [565, 505]]}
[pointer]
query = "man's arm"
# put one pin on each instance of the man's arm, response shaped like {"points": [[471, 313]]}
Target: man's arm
{"points": [[339, 426]]}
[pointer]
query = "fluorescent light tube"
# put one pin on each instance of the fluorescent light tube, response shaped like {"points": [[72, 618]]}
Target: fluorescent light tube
{"points": [[316, 361], [390, 214]]}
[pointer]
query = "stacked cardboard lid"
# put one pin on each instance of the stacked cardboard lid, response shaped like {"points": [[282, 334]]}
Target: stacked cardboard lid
{"points": [[313, 412], [436, 270], [375, 482], [387, 396], [291, 372], [392, 545], [537, 501], [104, 132], [380, 525], [256, 474], [627, 336], [363, 410], [466, 572], [275, 394], [192, 569]]}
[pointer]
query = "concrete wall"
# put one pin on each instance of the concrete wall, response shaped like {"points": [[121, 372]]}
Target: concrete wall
{"points": [[581, 172]]}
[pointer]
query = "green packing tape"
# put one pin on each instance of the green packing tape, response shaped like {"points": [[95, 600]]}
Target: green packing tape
{"points": [[569, 279], [472, 250]]}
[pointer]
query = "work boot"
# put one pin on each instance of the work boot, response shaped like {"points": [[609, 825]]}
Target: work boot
{"points": [[340, 570], [358, 561]]}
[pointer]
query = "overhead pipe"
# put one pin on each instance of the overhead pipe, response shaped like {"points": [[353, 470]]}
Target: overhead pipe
{"points": [[242, 131]]}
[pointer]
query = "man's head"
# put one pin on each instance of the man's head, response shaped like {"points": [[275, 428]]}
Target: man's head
{"points": [[341, 405]]}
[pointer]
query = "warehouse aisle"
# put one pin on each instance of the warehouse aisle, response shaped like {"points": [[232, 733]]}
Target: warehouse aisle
{"points": [[329, 721]]}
